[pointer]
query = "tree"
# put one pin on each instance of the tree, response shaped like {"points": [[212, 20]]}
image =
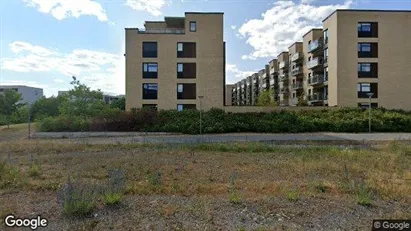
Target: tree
{"points": [[301, 101], [81, 101], [266, 98], [46, 107], [120, 104], [9, 104]]}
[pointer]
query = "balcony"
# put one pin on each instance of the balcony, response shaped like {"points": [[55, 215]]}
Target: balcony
{"points": [[283, 65], [317, 97], [297, 86], [317, 80], [283, 77], [296, 57], [316, 62], [315, 46], [161, 31], [272, 82], [284, 90], [297, 71]]}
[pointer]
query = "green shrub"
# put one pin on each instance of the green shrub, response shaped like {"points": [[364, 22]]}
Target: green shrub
{"points": [[218, 121], [10, 177], [363, 195]]}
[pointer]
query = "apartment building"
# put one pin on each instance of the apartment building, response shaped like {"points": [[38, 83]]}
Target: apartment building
{"points": [[28, 94], [358, 55], [178, 63], [273, 73], [284, 82]]}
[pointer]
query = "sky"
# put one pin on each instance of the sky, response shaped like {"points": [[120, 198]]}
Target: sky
{"points": [[45, 42]]}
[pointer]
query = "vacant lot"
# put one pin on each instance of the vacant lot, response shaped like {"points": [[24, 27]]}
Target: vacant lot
{"points": [[210, 187]]}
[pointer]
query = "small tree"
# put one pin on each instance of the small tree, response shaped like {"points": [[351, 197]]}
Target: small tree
{"points": [[9, 104], [301, 100], [120, 104], [46, 107], [81, 101], [266, 98]]}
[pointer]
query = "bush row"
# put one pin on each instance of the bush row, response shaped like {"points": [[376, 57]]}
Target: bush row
{"points": [[218, 121]]}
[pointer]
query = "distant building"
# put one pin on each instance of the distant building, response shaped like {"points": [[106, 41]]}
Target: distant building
{"points": [[29, 94], [108, 99]]}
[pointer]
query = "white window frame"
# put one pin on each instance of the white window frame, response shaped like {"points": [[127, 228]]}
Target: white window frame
{"points": [[180, 88], [178, 67], [180, 107]]}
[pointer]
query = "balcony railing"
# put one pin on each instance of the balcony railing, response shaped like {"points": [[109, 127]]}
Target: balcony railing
{"points": [[317, 79], [317, 97], [284, 90], [316, 62], [296, 57], [297, 71], [161, 31], [297, 86], [264, 85], [272, 82], [283, 77], [315, 45], [283, 65]]}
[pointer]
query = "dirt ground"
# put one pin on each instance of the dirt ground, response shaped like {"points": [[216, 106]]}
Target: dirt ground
{"points": [[210, 187]]}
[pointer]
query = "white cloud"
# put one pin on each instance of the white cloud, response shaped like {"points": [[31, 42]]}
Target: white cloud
{"points": [[100, 70], [58, 81], [151, 6], [61, 9], [236, 74], [233, 27], [285, 23]]}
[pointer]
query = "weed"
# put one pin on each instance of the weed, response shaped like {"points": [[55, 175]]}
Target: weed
{"points": [[293, 195], [363, 195], [154, 178], [112, 198], [34, 170], [77, 198], [10, 177], [234, 198], [320, 187]]}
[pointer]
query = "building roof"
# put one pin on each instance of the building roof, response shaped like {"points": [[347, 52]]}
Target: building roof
{"points": [[358, 10], [312, 30], [16, 86]]}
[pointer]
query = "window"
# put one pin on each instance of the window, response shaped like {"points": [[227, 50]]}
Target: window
{"points": [[294, 95], [367, 70], [364, 27], [326, 53], [150, 70], [181, 107], [364, 47], [150, 90], [150, 106], [179, 46], [309, 59], [179, 67], [364, 88], [364, 67], [326, 74], [326, 36], [367, 105], [149, 49], [186, 50], [186, 91], [367, 50], [368, 30], [309, 91], [193, 26]]}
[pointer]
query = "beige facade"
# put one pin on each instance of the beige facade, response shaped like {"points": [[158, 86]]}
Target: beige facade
{"points": [[229, 94], [391, 36], [357, 52], [206, 65]]}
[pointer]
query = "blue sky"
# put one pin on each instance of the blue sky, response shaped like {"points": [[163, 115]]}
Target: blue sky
{"points": [[44, 42]]}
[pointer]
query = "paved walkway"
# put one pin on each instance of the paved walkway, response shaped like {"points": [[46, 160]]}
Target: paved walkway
{"points": [[107, 137]]}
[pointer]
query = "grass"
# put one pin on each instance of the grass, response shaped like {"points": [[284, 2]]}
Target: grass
{"points": [[216, 171]]}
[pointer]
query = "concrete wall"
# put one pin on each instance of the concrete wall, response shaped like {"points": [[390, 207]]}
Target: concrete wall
{"points": [[228, 94], [209, 59]]}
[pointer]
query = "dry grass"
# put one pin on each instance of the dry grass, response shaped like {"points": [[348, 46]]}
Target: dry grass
{"points": [[204, 171]]}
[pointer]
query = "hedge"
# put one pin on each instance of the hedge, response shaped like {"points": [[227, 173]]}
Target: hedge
{"points": [[218, 121]]}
